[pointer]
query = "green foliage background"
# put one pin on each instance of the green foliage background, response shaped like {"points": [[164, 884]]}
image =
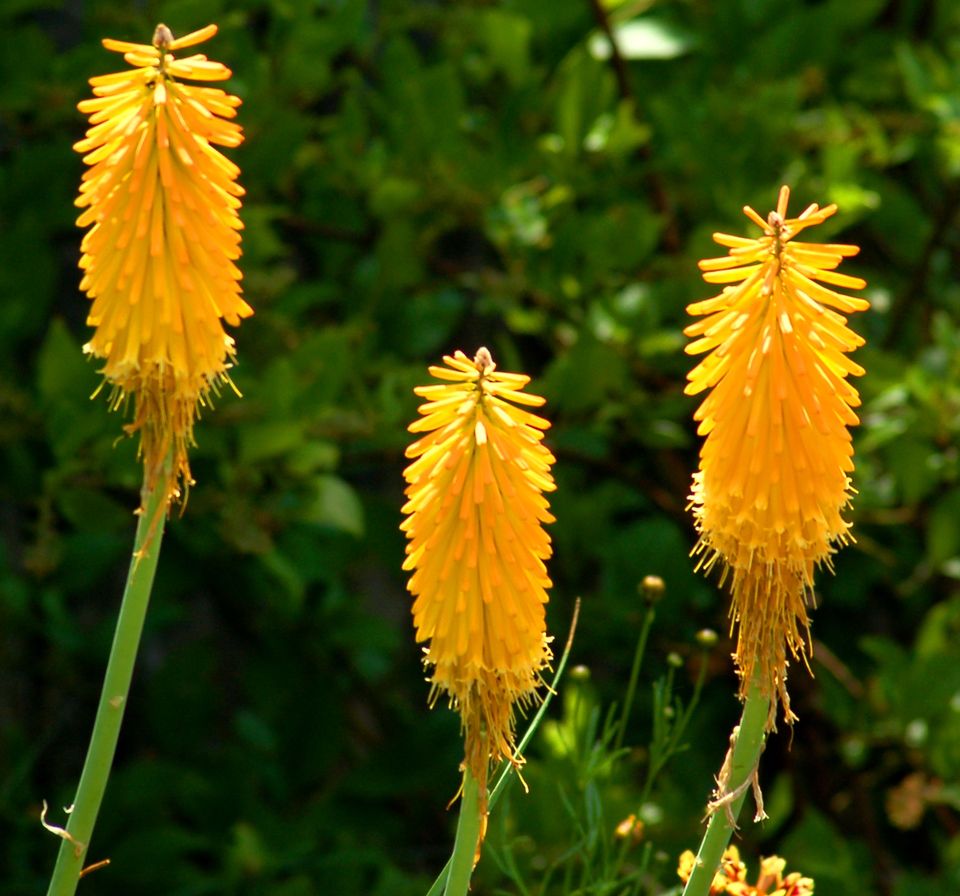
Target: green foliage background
{"points": [[426, 176]]}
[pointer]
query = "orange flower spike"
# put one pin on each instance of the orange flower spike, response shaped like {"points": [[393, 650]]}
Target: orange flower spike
{"points": [[477, 549], [162, 206], [775, 463]]}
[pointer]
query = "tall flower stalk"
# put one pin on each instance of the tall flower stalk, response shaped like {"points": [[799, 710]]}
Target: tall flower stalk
{"points": [[161, 203], [477, 552], [774, 477]]}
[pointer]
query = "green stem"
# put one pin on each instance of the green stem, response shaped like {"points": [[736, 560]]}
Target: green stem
{"points": [[465, 844], [746, 756], [509, 771], [634, 676], [113, 697]]}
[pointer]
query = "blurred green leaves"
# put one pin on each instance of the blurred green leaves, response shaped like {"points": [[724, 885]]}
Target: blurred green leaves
{"points": [[644, 38], [423, 177]]}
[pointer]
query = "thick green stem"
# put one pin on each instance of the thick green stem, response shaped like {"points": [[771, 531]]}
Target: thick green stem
{"points": [[465, 844], [113, 697], [743, 764]]}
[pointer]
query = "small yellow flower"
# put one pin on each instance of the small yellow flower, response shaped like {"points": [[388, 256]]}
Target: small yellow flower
{"points": [[772, 882], [730, 879], [631, 827], [774, 467], [159, 258], [477, 548], [730, 873]]}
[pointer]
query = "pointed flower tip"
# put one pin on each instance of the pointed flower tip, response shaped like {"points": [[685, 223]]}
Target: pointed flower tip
{"points": [[782, 200], [162, 37], [484, 360], [477, 548], [773, 483], [161, 204]]}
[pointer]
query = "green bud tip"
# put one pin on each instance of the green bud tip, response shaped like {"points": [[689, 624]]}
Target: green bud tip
{"points": [[707, 637], [652, 588]]}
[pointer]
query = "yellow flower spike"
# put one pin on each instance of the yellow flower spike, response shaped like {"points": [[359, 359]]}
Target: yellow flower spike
{"points": [[477, 549], [775, 463], [159, 258]]}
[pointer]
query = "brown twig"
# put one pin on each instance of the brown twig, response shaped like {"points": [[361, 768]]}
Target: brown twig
{"points": [[835, 666], [671, 236], [304, 224], [905, 305], [616, 57], [96, 866]]}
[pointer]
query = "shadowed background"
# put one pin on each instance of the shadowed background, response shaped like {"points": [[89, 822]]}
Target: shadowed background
{"points": [[423, 177]]}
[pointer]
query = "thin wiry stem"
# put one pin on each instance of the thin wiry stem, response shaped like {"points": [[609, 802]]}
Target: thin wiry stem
{"points": [[661, 202], [507, 774], [634, 676]]}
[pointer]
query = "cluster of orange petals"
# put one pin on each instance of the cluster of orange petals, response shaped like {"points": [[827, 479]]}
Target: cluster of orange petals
{"points": [[730, 879], [159, 258], [774, 466], [477, 548]]}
